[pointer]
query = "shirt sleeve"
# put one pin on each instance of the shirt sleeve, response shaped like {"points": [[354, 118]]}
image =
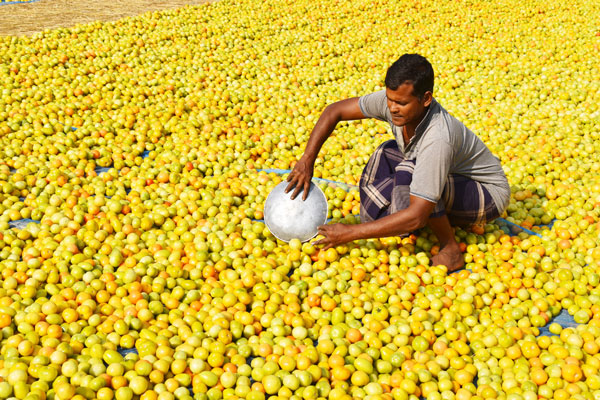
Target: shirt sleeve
{"points": [[374, 105], [431, 171]]}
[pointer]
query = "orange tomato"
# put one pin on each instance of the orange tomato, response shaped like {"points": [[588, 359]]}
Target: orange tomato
{"points": [[358, 274], [539, 376], [5, 320], [571, 373], [328, 303], [353, 335]]}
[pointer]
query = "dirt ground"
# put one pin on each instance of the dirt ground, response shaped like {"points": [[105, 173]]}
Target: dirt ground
{"points": [[26, 19]]}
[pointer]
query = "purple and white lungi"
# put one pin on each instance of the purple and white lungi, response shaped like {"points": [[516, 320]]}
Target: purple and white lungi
{"points": [[385, 189]]}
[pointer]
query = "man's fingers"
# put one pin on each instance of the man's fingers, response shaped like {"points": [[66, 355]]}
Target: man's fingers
{"points": [[298, 190], [300, 187], [299, 182], [306, 189], [294, 184], [322, 242], [291, 185]]}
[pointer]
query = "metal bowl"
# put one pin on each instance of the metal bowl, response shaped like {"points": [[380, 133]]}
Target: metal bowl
{"points": [[289, 219]]}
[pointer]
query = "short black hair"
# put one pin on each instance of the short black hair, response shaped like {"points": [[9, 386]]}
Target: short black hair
{"points": [[411, 68]]}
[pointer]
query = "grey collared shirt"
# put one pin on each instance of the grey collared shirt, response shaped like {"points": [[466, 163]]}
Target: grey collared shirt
{"points": [[442, 145]]}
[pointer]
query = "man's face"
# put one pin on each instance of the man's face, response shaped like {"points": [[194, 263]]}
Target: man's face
{"points": [[406, 108]]}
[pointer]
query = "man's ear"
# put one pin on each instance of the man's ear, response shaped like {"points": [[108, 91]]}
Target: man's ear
{"points": [[427, 99]]}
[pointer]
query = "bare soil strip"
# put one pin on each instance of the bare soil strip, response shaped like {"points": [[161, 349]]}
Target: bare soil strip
{"points": [[27, 19]]}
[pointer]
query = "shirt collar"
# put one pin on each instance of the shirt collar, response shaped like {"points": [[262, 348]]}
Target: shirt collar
{"points": [[427, 118]]}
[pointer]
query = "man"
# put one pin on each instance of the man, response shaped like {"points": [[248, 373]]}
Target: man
{"points": [[436, 171]]}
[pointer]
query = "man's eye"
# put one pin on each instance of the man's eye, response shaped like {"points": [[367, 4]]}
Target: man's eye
{"points": [[397, 102]]}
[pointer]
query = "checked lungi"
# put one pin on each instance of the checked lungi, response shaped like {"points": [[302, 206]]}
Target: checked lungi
{"points": [[385, 189]]}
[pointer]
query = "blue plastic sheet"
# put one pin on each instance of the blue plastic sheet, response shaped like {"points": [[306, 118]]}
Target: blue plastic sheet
{"points": [[564, 319], [101, 170], [21, 223], [338, 184], [275, 171], [458, 270], [145, 153], [4, 3], [123, 351], [549, 226], [513, 229], [72, 128], [287, 171]]}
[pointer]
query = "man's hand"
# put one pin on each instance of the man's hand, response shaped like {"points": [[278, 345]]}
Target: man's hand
{"points": [[398, 223], [300, 178], [335, 235]]}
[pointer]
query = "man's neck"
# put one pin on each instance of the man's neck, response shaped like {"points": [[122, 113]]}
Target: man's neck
{"points": [[409, 130], [408, 133]]}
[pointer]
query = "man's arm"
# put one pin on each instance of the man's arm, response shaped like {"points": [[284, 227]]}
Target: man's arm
{"points": [[344, 110], [403, 221]]}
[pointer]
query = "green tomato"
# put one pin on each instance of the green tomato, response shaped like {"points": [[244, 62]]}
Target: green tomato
{"points": [[209, 378], [271, 383], [291, 382], [124, 393], [364, 365], [138, 385]]}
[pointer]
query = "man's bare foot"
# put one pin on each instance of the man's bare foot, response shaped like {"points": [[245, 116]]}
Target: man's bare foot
{"points": [[450, 256]]}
